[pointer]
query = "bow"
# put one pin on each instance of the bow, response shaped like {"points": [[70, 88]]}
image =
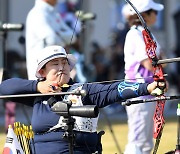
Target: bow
{"points": [[158, 76]]}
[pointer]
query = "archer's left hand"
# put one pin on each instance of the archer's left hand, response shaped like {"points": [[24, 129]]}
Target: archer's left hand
{"points": [[157, 88]]}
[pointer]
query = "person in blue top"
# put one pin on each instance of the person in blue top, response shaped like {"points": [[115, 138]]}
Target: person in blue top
{"points": [[53, 73]]}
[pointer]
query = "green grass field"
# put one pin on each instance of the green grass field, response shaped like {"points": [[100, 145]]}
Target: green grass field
{"points": [[168, 140]]}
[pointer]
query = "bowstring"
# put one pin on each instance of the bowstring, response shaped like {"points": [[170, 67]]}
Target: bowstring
{"points": [[74, 29], [78, 15]]}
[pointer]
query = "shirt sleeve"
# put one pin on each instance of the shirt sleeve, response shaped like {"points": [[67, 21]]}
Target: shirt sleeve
{"points": [[16, 86], [45, 32], [136, 41], [106, 94], [54, 33], [66, 33]]}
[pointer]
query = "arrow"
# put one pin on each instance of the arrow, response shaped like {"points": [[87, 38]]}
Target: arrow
{"points": [[78, 92]]}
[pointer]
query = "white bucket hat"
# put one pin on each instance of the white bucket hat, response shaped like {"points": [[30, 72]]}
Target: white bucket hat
{"points": [[145, 5], [126, 10], [52, 52]]}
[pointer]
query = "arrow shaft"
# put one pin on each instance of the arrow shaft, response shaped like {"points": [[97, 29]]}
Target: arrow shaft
{"points": [[40, 95]]}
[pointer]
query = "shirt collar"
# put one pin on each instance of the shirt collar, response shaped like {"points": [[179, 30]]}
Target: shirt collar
{"points": [[139, 27]]}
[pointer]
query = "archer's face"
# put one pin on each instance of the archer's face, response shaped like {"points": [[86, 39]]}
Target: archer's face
{"points": [[151, 18], [51, 2], [57, 70]]}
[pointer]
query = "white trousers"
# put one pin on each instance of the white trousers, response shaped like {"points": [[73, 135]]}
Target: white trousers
{"points": [[140, 124]]}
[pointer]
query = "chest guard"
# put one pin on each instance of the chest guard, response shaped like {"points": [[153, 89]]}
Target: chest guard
{"points": [[81, 123]]}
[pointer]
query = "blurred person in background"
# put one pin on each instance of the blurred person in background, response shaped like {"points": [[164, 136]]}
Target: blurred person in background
{"points": [[175, 79], [100, 62], [44, 27], [77, 74], [67, 10], [139, 67], [116, 54], [14, 69]]}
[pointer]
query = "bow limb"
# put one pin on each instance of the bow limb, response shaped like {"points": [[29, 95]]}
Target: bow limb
{"points": [[158, 76]]}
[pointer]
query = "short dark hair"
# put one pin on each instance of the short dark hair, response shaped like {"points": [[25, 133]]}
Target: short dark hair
{"points": [[151, 10]]}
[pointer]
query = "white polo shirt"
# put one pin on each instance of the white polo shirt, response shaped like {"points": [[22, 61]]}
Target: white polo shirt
{"points": [[135, 53], [44, 26]]}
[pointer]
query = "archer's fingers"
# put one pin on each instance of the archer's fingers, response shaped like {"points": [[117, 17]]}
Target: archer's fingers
{"points": [[160, 89], [163, 86]]}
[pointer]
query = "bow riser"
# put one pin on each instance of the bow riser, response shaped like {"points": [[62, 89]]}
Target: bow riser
{"points": [[150, 49], [159, 77], [150, 45]]}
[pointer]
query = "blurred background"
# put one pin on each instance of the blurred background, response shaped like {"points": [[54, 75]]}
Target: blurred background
{"points": [[101, 44]]}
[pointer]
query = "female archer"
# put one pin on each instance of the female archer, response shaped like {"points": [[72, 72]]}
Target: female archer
{"points": [[53, 73]]}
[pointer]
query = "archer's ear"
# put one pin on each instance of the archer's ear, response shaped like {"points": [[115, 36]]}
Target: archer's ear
{"points": [[42, 73]]}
